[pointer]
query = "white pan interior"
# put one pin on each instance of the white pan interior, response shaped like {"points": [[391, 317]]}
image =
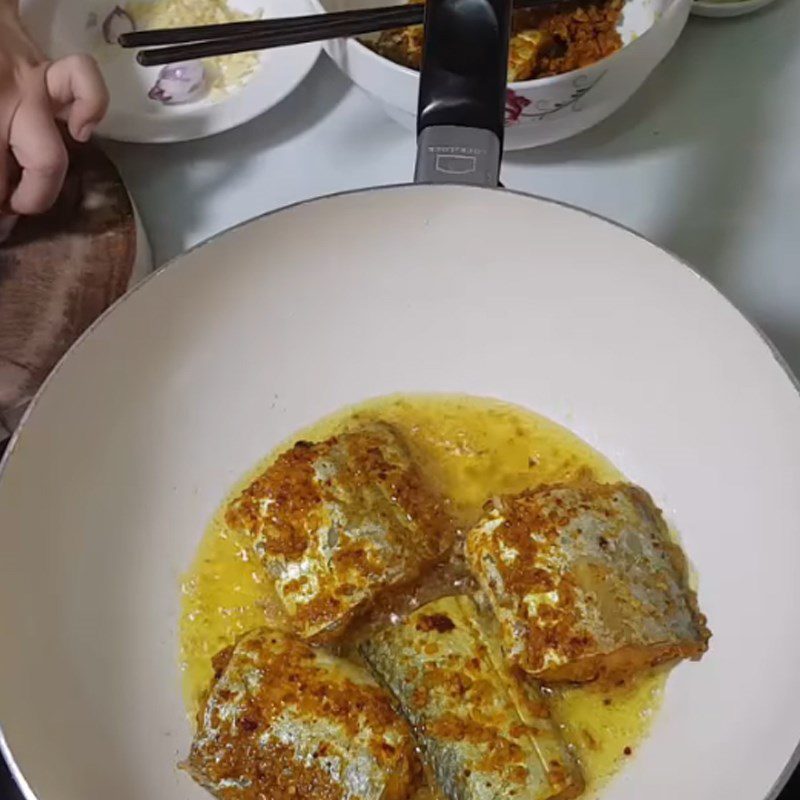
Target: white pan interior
{"points": [[199, 373]]}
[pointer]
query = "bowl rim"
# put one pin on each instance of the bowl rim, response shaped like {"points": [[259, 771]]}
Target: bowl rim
{"points": [[727, 8], [547, 80]]}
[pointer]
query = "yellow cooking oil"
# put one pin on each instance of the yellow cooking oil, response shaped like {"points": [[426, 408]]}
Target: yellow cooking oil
{"points": [[477, 448]]}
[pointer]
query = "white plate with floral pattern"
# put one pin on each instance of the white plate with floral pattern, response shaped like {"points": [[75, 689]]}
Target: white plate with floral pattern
{"points": [[77, 26]]}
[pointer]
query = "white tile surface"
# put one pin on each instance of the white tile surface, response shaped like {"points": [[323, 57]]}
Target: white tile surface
{"points": [[705, 160]]}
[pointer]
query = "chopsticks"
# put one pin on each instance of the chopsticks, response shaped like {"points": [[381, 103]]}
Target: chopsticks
{"points": [[205, 41]]}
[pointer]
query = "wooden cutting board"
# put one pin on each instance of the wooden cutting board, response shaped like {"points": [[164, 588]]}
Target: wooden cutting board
{"points": [[58, 272]]}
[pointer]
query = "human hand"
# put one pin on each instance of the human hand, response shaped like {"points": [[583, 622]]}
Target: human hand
{"points": [[34, 93]]}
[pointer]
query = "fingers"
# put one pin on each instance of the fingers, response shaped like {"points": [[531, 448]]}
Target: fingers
{"points": [[79, 94], [40, 152], [74, 89]]}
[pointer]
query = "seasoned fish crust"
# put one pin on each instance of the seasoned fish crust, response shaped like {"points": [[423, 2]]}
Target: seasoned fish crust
{"points": [[585, 582], [337, 521], [524, 53], [405, 45], [286, 720], [483, 733]]}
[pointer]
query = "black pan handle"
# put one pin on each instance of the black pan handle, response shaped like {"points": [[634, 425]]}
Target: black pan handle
{"points": [[462, 91]]}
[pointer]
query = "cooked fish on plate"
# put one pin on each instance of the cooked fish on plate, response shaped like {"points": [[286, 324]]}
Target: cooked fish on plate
{"points": [[544, 41]]}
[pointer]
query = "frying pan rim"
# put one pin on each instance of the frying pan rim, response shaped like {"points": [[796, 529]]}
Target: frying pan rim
{"points": [[5, 751]]}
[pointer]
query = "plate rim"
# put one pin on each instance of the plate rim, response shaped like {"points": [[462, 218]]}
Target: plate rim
{"points": [[5, 751]]}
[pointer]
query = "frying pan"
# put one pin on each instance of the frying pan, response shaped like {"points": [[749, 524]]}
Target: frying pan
{"points": [[139, 433]]}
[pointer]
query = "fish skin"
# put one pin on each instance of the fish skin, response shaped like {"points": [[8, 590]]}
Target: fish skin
{"points": [[285, 719], [585, 582], [336, 522], [483, 733]]}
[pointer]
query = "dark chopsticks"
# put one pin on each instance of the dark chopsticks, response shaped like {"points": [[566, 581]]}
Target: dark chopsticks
{"points": [[205, 41], [274, 33], [398, 15]]}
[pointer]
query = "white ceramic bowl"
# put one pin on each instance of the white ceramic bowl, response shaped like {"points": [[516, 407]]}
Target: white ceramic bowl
{"points": [[63, 27], [539, 111]]}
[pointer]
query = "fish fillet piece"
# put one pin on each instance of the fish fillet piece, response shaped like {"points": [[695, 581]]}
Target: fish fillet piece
{"points": [[585, 582], [483, 734], [525, 50], [403, 45], [337, 521], [286, 720]]}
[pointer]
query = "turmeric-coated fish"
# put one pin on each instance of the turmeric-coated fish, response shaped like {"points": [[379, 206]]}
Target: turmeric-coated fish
{"points": [[337, 521], [484, 735], [402, 45], [525, 49], [585, 582], [405, 45], [284, 720]]}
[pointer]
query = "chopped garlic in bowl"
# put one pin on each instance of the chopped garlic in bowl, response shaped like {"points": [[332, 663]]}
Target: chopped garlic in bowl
{"points": [[224, 72], [148, 106]]}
